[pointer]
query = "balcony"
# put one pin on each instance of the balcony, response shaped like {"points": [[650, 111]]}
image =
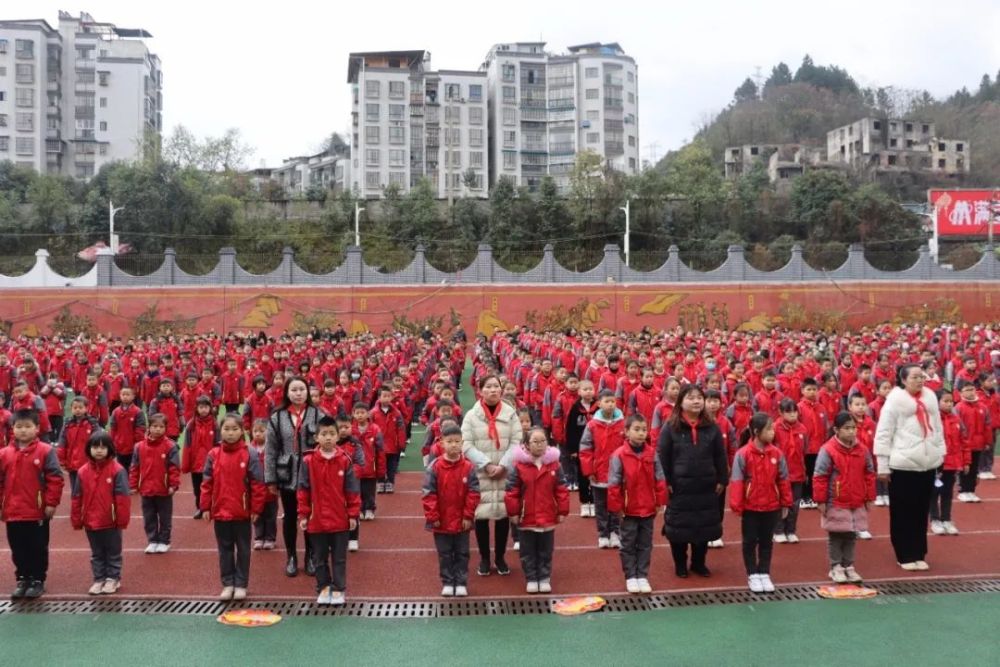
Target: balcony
{"points": [[85, 112], [560, 81], [84, 65], [533, 147], [614, 148], [53, 133], [53, 146], [416, 111], [85, 135], [53, 111], [562, 148], [25, 54], [416, 98]]}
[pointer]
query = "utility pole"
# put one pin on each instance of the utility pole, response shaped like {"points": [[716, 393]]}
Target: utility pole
{"points": [[994, 218], [357, 224], [112, 237], [628, 229]]}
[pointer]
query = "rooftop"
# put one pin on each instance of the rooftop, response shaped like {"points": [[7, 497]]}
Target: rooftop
{"points": [[355, 59]]}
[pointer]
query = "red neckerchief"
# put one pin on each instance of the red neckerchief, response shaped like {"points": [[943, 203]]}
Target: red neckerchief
{"points": [[694, 428], [491, 421], [922, 416]]}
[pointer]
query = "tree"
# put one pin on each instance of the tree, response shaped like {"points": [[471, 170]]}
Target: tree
{"points": [[420, 212], [747, 92], [891, 235], [552, 216], [15, 180], [50, 200], [501, 216], [335, 145], [818, 199], [213, 154], [586, 180], [780, 76], [985, 92]]}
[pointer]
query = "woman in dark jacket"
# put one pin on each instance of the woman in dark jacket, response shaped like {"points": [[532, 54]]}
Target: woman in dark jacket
{"points": [[694, 462]]}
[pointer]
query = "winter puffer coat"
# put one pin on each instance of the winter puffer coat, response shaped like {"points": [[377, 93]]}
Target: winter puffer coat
{"points": [[693, 467], [480, 449], [900, 440]]}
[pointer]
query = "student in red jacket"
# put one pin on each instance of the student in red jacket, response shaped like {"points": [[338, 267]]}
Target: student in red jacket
{"points": [[329, 502], [266, 525], [844, 485], [258, 404], [53, 393], [231, 386], [201, 435], [75, 434], [166, 404], [233, 495], [637, 490], [740, 411], [957, 459], [127, 427], [390, 422], [816, 419], [791, 437], [450, 497], [31, 485], [101, 506], [975, 417], [768, 399], [155, 475], [601, 437], [22, 398], [97, 397], [371, 437], [990, 395], [536, 499]]}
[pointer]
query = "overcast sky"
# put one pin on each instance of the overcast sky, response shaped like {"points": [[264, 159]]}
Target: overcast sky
{"points": [[278, 70]]}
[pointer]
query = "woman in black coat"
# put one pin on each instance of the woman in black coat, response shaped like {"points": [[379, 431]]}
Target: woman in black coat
{"points": [[694, 462]]}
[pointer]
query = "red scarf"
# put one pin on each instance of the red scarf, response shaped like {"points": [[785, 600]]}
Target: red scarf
{"points": [[922, 416], [491, 421], [694, 429]]}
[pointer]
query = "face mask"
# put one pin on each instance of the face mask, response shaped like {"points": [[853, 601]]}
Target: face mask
{"points": [[710, 366], [355, 376]]}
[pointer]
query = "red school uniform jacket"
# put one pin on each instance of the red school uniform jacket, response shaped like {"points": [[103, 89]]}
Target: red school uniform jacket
{"points": [[155, 469], [127, 427], [643, 401], [957, 452], [328, 493], [97, 402], [767, 402], [54, 398], [372, 441], [450, 494], [258, 406], [168, 406], [866, 432], [844, 476], [100, 496], [816, 420], [536, 493], [740, 416], [30, 481], [792, 439], [232, 488], [390, 423], [975, 417], [601, 437], [200, 435], [232, 388], [31, 402], [73, 441], [759, 480], [636, 483]]}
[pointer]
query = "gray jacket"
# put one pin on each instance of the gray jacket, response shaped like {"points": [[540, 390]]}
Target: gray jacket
{"points": [[281, 440]]}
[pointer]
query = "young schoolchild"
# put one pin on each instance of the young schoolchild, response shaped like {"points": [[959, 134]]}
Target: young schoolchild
{"points": [[601, 437], [637, 490], [22, 398], [53, 393], [815, 418], [31, 485], [858, 408], [201, 435], [6, 427], [760, 494], [73, 440], [790, 436], [231, 387], [875, 407], [371, 438], [450, 496], [580, 414], [127, 427], [329, 402], [188, 397], [101, 506], [329, 503], [232, 494], [390, 423], [843, 485], [975, 417], [713, 406], [258, 404], [155, 474], [991, 396], [165, 403], [661, 413], [355, 450], [97, 397], [957, 459], [536, 499], [740, 411], [266, 526], [443, 413]]}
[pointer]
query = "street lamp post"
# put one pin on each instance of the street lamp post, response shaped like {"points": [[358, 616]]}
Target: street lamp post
{"points": [[628, 229], [357, 224], [112, 237]]}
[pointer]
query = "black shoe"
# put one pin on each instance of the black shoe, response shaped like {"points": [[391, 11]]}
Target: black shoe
{"points": [[310, 566], [20, 589], [198, 515], [681, 571], [701, 570], [35, 590], [502, 568], [292, 568], [484, 568]]}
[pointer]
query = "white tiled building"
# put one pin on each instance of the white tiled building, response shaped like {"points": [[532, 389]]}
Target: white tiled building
{"points": [[92, 92], [897, 144]]}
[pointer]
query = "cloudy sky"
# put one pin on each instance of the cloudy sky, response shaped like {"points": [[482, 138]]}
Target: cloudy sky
{"points": [[277, 71]]}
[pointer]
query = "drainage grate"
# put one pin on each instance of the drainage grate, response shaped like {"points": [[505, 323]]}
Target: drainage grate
{"points": [[459, 608]]}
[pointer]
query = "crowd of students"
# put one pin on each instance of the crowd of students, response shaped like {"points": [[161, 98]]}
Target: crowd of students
{"points": [[768, 423]]}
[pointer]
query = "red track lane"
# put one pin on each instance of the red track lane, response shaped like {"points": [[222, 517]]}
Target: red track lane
{"points": [[397, 559]]}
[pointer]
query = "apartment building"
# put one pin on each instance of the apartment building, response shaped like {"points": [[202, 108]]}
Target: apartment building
{"points": [[82, 95], [326, 170], [897, 144], [546, 108], [410, 122]]}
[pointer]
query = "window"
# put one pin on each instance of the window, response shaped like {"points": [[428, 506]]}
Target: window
{"points": [[372, 179], [509, 94], [631, 77], [909, 127], [594, 116], [25, 73], [959, 164], [476, 115], [509, 160], [941, 163], [591, 73], [104, 77], [372, 89], [631, 163], [456, 158], [909, 143], [452, 91], [85, 77], [85, 170], [4, 144], [371, 113], [104, 149], [24, 146], [452, 136], [508, 72], [25, 121], [396, 157], [3, 118], [25, 48], [926, 129], [509, 116], [397, 178], [891, 160], [631, 98], [104, 103], [593, 93], [593, 137], [396, 111], [877, 125], [892, 143], [892, 126], [25, 97], [371, 135], [104, 126], [509, 139], [959, 147], [475, 92], [453, 114], [3, 46], [476, 159], [631, 141], [372, 156], [397, 135], [475, 138], [754, 150], [397, 89]]}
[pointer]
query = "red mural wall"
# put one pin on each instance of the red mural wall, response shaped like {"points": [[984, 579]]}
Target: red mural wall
{"points": [[827, 305]]}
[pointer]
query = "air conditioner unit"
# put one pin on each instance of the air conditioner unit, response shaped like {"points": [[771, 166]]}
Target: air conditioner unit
{"points": [[585, 124]]}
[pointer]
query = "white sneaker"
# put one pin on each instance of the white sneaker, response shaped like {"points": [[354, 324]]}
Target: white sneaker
{"points": [[517, 546], [532, 587], [239, 594], [591, 510], [380, 487], [950, 528], [545, 586], [852, 575], [603, 543], [909, 567], [226, 594], [922, 565], [780, 538], [937, 527], [644, 586], [96, 588], [337, 598], [162, 548], [885, 499], [448, 591], [755, 584], [324, 596], [632, 585], [973, 498], [879, 501], [352, 545], [615, 542], [793, 538], [838, 575], [111, 586], [461, 592], [151, 547], [963, 497], [987, 475], [258, 545], [584, 510], [864, 535], [765, 583]]}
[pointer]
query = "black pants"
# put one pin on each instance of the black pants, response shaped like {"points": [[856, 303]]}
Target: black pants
{"points": [[290, 524], [29, 549], [233, 407], [607, 523], [788, 525], [807, 490], [909, 504], [368, 494], [125, 460], [233, 539], [105, 553], [942, 496], [679, 550], [391, 466], [967, 480], [56, 422], [637, 546], [568, 464], [265, 529], [586, 495], [536, 554], [196, 488], [453, 557], [501, 530], [72, 479], [330, 556], [758, 531], [157, 517]]}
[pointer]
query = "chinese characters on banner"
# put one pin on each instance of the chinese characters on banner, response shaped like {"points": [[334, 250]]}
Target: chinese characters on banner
{"points": [[965, 212]]}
